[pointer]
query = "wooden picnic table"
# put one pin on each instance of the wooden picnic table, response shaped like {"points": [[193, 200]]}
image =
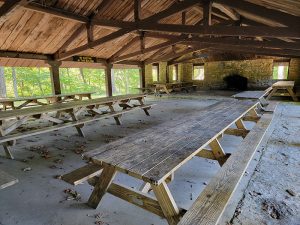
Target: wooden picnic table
{"points": [[10, 120], [36, 100], [6, 180], [169, 87], [259, 96], [287, 86], [153, 158]]}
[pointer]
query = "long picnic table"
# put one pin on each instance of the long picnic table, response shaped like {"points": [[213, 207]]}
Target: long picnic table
{"points": [[169, 87], [75, 113], [287, 86], [36, 100], [153, 158]]}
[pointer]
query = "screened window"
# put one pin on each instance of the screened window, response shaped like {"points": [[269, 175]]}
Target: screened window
{"points": [[155, 72], [198, 73], [125, 81], [25, 81], [175, 73], [83, 80], [280, 70]]}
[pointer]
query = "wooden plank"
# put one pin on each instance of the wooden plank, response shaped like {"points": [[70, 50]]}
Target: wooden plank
{"points": [[210, 205], [6, 180], [153, 157], [167, 203], [261, 12], [102, 185], [82, 174], [137, 198]]}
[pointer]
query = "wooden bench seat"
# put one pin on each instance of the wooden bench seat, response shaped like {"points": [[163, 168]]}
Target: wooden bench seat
{"points": [[209, 206], [82, 174], [6, 180]]}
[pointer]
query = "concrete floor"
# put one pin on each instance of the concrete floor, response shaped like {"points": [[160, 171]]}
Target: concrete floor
{"points": [[39, 197]]}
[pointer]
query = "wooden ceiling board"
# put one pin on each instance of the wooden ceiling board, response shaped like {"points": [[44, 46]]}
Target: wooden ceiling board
{"points": [[287, 6]]}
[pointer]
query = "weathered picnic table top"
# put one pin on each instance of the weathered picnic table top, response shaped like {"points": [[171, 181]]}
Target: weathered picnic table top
{"points": [[152, 155], [42, 97], [283, 84], [6, 180], [64, 106], [250, 94]]}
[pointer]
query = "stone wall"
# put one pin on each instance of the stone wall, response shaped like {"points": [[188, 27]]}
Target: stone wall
{"points": [[259, 73]]}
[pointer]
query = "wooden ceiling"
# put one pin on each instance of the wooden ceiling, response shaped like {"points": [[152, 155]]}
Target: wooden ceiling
{"points": [[147, 31]]}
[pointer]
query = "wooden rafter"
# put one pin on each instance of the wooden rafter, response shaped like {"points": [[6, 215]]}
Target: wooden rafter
{"points": [[10, 6], [146, 50], [271, 32], [226, 10], [80, 29], [207, 12], [175, 8], [124, 48], [261, 12]]}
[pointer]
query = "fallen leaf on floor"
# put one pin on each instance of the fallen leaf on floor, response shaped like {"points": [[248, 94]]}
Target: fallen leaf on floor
{"points": [[72, 195], [26, 169]]}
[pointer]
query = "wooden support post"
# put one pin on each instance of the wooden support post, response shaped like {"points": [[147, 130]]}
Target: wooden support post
{"points": [[207, 5], [54, 71], [167, 203], [2, 83], [108, 73], [102, 185], [143, 76], [240, 125]]}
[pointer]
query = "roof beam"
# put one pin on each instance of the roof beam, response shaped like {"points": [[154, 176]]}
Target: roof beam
{"points": [[243, 7], [80, 29], [172, 55], [272, 32], [146, 50], [259, 51], [226, 10], [9, 6], [175, 8], [137, 10], [207, 12], [124, 48]]}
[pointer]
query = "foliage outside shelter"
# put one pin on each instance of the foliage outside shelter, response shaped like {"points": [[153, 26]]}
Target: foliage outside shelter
{"points": [[32, 81]]}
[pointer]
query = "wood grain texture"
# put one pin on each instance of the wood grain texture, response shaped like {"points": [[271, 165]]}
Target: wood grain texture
{"points": [[210, 205], [152, 157]]}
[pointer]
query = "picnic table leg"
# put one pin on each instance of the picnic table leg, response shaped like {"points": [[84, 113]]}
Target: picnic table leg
{"points": [[102, 185], [24, 104], [117, 119], [263, 101], [167, 203], [141, 101], [292, 94], [7, 150], [274, 90], [240, 124], [78, 127], [218, 151]]}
